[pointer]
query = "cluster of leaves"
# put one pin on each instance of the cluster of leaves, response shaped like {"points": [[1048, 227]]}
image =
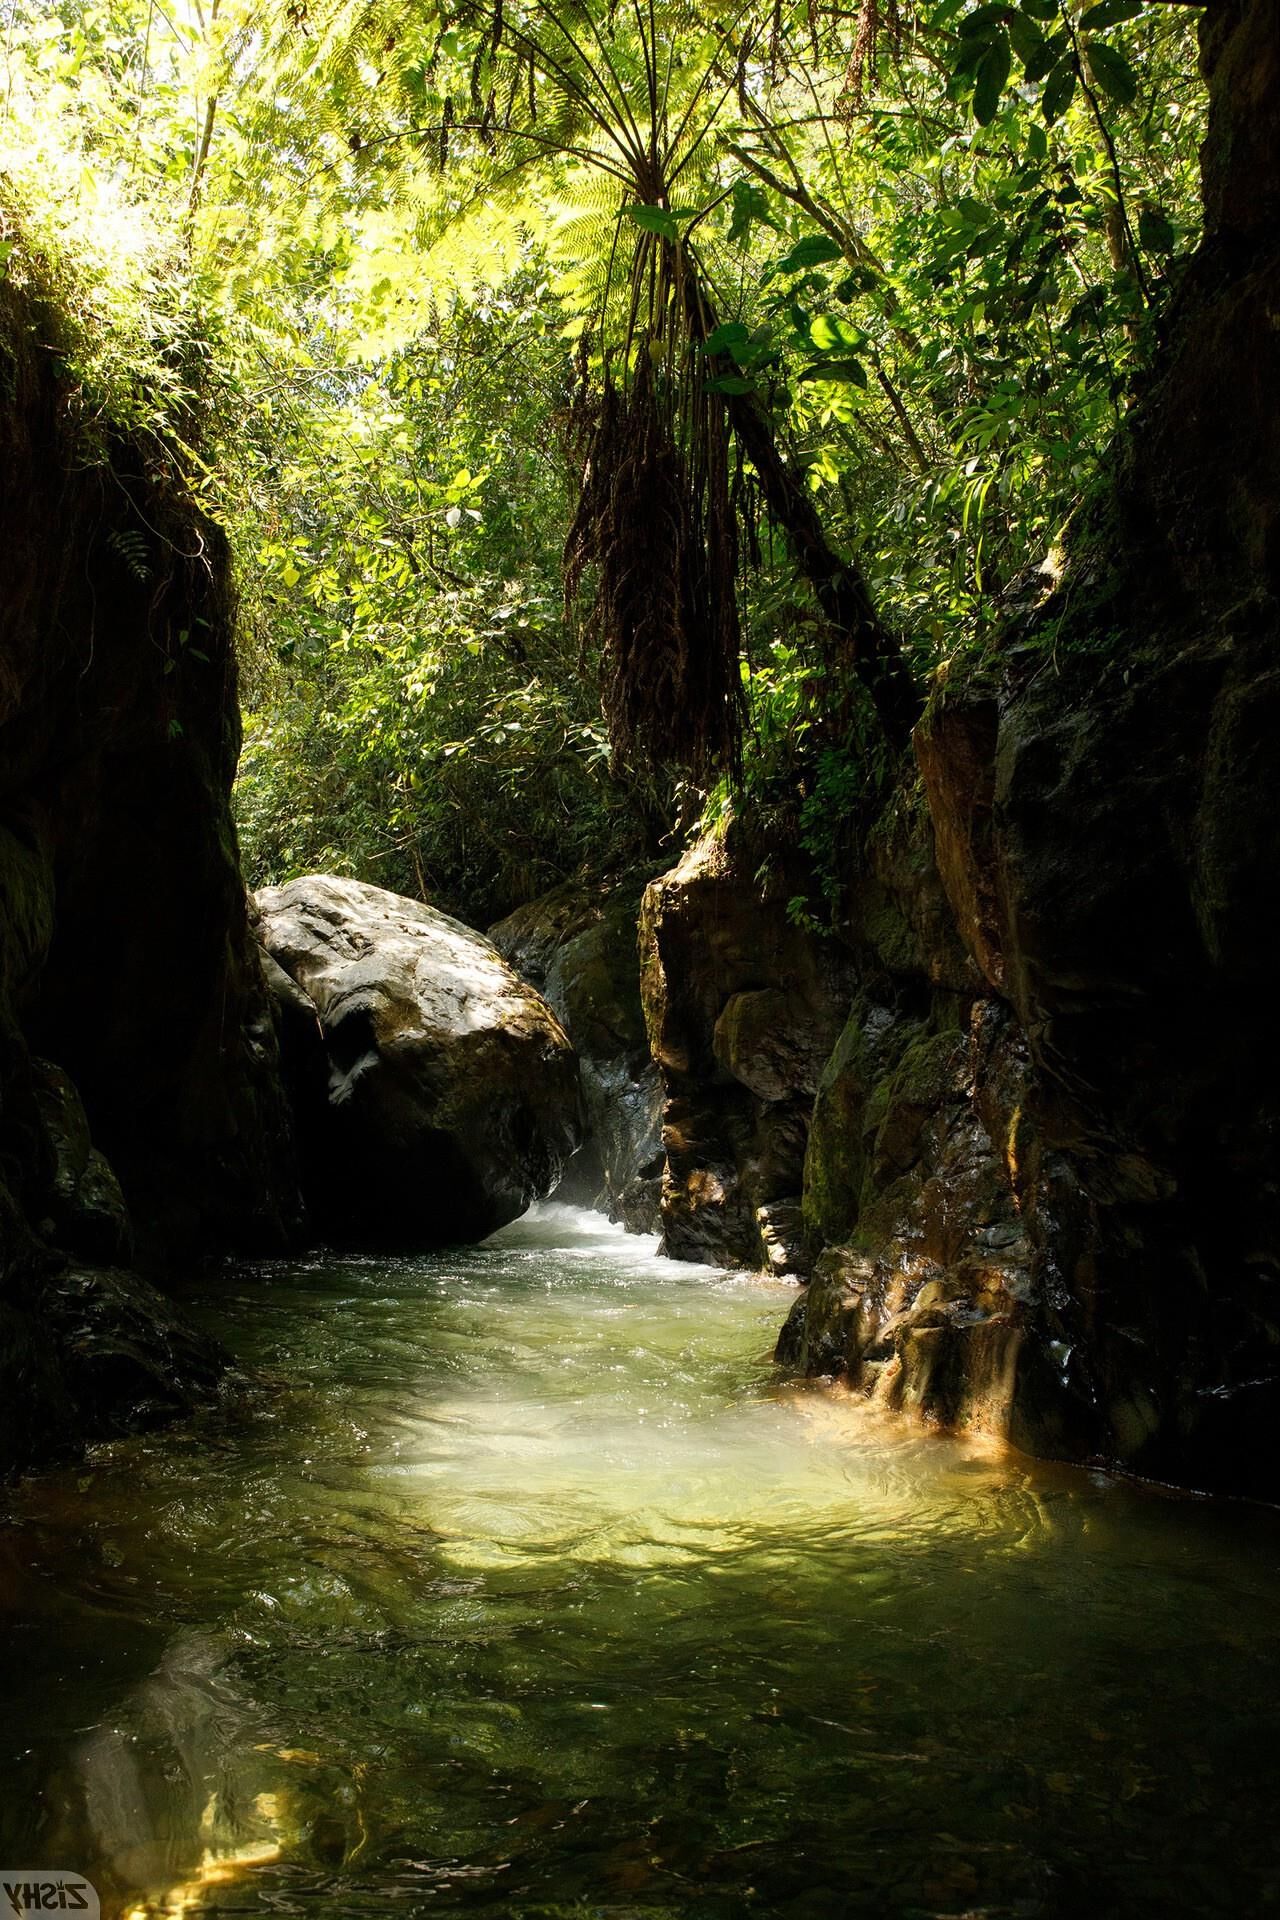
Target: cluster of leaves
{"points": [[395, 227], [419, 713], [1056, 52]]}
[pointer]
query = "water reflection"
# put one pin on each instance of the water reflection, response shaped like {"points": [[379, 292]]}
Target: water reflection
{"points": [[524, 1586]]}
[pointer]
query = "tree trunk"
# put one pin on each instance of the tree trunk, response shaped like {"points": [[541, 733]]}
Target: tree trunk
{"points": [[861, 640]]}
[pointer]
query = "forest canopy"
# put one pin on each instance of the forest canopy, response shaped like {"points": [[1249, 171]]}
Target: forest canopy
{"points": [[619, 414]]}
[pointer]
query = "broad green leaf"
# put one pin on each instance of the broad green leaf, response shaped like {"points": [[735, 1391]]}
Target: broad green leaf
{"points": [[750, 206], [1059, 89], [1029, 43], [658, 220], [1109, 13], [993, 71], [983, 18], [1112, 72], [815, 250], [848, 371], [1156, 231], [971, 52], [857, 280], [1041, 9], [729, 337], [828, 331], [733, 384]]}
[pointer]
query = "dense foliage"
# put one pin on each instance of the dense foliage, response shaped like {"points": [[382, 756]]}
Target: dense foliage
{"points": [[807, 329]]}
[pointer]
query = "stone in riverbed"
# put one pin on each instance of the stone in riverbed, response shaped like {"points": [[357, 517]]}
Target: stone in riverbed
{"points": [[452, 1098]]}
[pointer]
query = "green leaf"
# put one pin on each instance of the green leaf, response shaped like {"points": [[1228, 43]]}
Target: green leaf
{"points": [[850, 372], [815, 250], [971, 53], [1029, 43], [1040, 62], [829, 331], [983, 18], [1037, 142], [729, 337], [993, 71], [1112, 72], [1059, 89], [857, 280], [1041, 9], [733, 384], [657, 220], [1156, 231], [750, 206], [1109, 13]]}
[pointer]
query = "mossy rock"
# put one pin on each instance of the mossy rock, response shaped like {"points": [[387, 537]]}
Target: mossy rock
{"points": [[852, 1094]]}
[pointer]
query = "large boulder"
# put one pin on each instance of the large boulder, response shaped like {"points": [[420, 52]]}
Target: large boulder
{"points": [[438, 1093]]}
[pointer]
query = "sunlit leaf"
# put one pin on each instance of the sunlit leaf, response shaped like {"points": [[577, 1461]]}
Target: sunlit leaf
{"points": [[813, 251]]}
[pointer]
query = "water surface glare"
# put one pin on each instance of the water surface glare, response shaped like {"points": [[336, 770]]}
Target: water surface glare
{"points": [[525, 1586]]}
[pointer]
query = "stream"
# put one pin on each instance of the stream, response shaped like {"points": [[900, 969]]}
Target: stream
{"points": [[519, 1582]]}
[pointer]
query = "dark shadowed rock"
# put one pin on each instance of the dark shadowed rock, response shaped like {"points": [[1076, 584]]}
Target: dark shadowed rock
{"points": [[87, 1213], [451, 1097], [1048, 1176], [125, 956], [743, 1008], [90, 1352]]}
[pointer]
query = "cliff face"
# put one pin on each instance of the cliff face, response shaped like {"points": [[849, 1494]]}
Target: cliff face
{"points": [[140, 1111], [1042, 1177]]}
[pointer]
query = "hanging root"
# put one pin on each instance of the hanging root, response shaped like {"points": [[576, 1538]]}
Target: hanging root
{"points": [[655, 531], [875, 17]]}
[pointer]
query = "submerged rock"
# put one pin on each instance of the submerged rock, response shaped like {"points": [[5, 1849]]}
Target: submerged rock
{"points": [[87, 1353], [450, 1094]]}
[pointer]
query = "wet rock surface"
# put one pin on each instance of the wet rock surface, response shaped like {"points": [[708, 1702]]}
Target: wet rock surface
{"points": [[578, 947], [1042, 1168], [450, 1092], [90, 1352], [141, 1115], [742, 1010]]}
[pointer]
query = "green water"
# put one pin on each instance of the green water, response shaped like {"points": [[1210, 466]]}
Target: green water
{"points": [[525, 1586]]}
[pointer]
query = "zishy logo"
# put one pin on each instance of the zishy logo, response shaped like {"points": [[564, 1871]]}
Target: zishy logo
{"points": [[26, 1890]]}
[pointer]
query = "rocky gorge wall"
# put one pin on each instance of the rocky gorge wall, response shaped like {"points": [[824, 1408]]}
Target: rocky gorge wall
{"points": [[141, 1116], [1041, 1166], [1032, 1186]]}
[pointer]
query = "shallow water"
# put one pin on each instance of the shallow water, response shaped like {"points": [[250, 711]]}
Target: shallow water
{"points": [[525, 1586]]}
